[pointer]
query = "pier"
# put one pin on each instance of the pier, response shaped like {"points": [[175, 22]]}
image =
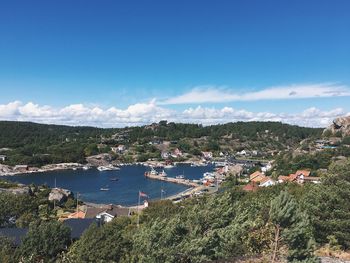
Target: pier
{"points": [[171, 180], [188, 192]]}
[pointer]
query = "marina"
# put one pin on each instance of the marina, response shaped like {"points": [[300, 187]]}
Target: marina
{"points": [[123, 184], [161, 177]]}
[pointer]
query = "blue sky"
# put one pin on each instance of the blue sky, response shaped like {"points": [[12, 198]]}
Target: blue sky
{"points": [[118, 54]]}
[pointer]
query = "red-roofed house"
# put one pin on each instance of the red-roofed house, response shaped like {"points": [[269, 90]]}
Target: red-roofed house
{"points": [[289, 178], [267, 181], [79, 214], [256, 177], [305, 173], [301, 176]]}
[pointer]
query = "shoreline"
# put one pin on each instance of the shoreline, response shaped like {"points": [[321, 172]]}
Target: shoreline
{"points": [[191, 188], [7, 170]]}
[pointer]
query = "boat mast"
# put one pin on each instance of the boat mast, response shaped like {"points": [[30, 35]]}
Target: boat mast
{"points": [[54, 200], [138, 212], [77, 201]]}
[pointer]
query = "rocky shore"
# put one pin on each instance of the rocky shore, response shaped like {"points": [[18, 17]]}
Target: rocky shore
{"points": [[25, 169]]}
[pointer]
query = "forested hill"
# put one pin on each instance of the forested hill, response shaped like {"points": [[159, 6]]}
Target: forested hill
{"points": [[17, 134], [39, 144], [238, 130]]}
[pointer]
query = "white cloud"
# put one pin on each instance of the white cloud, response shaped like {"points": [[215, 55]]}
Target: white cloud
{"points": [[208, 94], [145, 113], [10, 109]]}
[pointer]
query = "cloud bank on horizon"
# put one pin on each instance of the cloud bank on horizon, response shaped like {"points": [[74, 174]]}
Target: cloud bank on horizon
{"points": [[146, 113], [153, 111]]}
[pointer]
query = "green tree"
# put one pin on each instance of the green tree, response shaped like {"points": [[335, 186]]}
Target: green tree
{"points": [[292, 227], [6, 250], [91, 149], [108, 243], [45, 240]]}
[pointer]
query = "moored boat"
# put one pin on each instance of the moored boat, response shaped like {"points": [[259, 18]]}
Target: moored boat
{"points": [[113, 179], [109, 167]]}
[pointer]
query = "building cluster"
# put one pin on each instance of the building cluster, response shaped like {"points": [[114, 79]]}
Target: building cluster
{"points": [[176, 153], [118, 149], [2, 158], [102, 214], [326, 144], [259, 179]]}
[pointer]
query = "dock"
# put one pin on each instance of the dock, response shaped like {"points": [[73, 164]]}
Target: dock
{"points": [[171, 180]]}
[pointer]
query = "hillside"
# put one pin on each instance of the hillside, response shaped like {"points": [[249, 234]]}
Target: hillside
{"points": [[39, 144]]}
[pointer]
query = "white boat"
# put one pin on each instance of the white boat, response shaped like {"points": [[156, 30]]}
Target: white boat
{"points": [[169, 166], [102, 168], [181, 176], [153, 172], [198, 164], [85, 167], [209, 175], [220, 164], [109, 167], [104, 189], [163, 174]]}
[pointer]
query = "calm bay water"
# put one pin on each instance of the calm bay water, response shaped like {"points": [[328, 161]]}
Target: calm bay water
{"points": [[124, 191]]}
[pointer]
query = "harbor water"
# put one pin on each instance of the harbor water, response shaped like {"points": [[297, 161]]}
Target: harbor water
{"points": [[123, 185]]}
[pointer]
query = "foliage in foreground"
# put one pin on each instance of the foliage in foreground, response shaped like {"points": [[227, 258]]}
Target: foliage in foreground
{"points": [[285, 221]]}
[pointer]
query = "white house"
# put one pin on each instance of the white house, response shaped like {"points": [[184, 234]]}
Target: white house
{"points": [[2, 158], [176, 153], [165, 155], [266, 168], [109, 214], [267, 181], [207, 155], [242, 153], [119, 149], [105, 217]]}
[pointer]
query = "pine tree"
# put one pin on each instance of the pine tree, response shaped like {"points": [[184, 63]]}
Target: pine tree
{"points": [[282, 215], [292, 226]]}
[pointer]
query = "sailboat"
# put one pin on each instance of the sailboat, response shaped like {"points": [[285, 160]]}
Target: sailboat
{"points": [[104, 188], [163, 174], [113, 179], [181, 176]]}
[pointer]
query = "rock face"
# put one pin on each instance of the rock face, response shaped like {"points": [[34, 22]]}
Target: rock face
{"points": [[341, 124], [100, 159], [59, 194], [5, 169]]}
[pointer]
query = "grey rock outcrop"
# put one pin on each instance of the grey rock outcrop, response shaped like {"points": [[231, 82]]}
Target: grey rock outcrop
{"points": [[100, 159], [59, 195], [341, 124]]}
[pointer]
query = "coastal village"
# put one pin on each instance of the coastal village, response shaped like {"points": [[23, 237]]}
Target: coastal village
{"points": [[246, 167]]}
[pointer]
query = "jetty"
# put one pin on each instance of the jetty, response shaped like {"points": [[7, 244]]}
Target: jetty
{"points": [[186, 182]]}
